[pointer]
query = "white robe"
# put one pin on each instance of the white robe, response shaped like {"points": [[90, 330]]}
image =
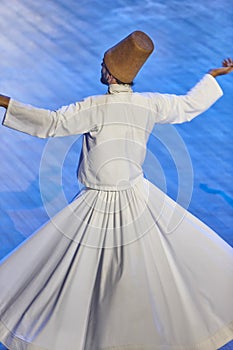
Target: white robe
{"points": [[123, 266]]}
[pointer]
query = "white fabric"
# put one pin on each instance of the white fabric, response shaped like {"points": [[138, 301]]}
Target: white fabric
{"points": [[123, 266], [116, 127]]}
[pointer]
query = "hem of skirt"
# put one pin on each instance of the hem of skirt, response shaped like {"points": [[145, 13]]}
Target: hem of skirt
{"points": [[216, 341], [13, 342]]}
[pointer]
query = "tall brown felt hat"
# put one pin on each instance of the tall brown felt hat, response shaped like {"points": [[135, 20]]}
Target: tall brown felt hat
{"points": [[125, 59]]}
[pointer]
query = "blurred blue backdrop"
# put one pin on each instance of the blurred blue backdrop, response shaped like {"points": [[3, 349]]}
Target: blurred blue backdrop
{"points": [[51, 52]]}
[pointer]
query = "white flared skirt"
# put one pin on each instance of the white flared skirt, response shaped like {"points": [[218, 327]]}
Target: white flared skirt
{"points": [[118, 270]]}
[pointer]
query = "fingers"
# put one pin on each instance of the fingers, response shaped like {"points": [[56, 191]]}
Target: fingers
{"points": [[227, 62]]}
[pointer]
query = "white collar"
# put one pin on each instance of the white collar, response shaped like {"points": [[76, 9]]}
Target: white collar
{"points": [[116, 88]]}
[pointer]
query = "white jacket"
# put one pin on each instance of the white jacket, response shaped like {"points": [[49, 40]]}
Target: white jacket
{"points": [[116, 127]]}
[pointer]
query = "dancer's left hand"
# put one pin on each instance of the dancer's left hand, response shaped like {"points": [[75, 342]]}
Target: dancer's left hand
{"points": [[227, 67]]}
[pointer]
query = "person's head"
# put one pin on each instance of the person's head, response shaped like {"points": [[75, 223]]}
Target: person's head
{"points": [[107, 78], [122, 62]]}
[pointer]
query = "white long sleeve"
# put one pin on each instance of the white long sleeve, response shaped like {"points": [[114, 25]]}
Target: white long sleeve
{"points": [[89, 114], [175, 109], [45, 123]]}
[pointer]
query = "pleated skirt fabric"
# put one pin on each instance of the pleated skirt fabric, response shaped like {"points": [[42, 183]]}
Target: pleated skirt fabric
{"points": [[118, 270]]}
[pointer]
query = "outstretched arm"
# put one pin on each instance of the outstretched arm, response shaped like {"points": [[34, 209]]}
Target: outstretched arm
{"points": [[227, 67], [182, 108], [79, 118]]}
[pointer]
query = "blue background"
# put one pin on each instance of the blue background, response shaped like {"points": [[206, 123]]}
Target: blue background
{"points": [[50, 56]]}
